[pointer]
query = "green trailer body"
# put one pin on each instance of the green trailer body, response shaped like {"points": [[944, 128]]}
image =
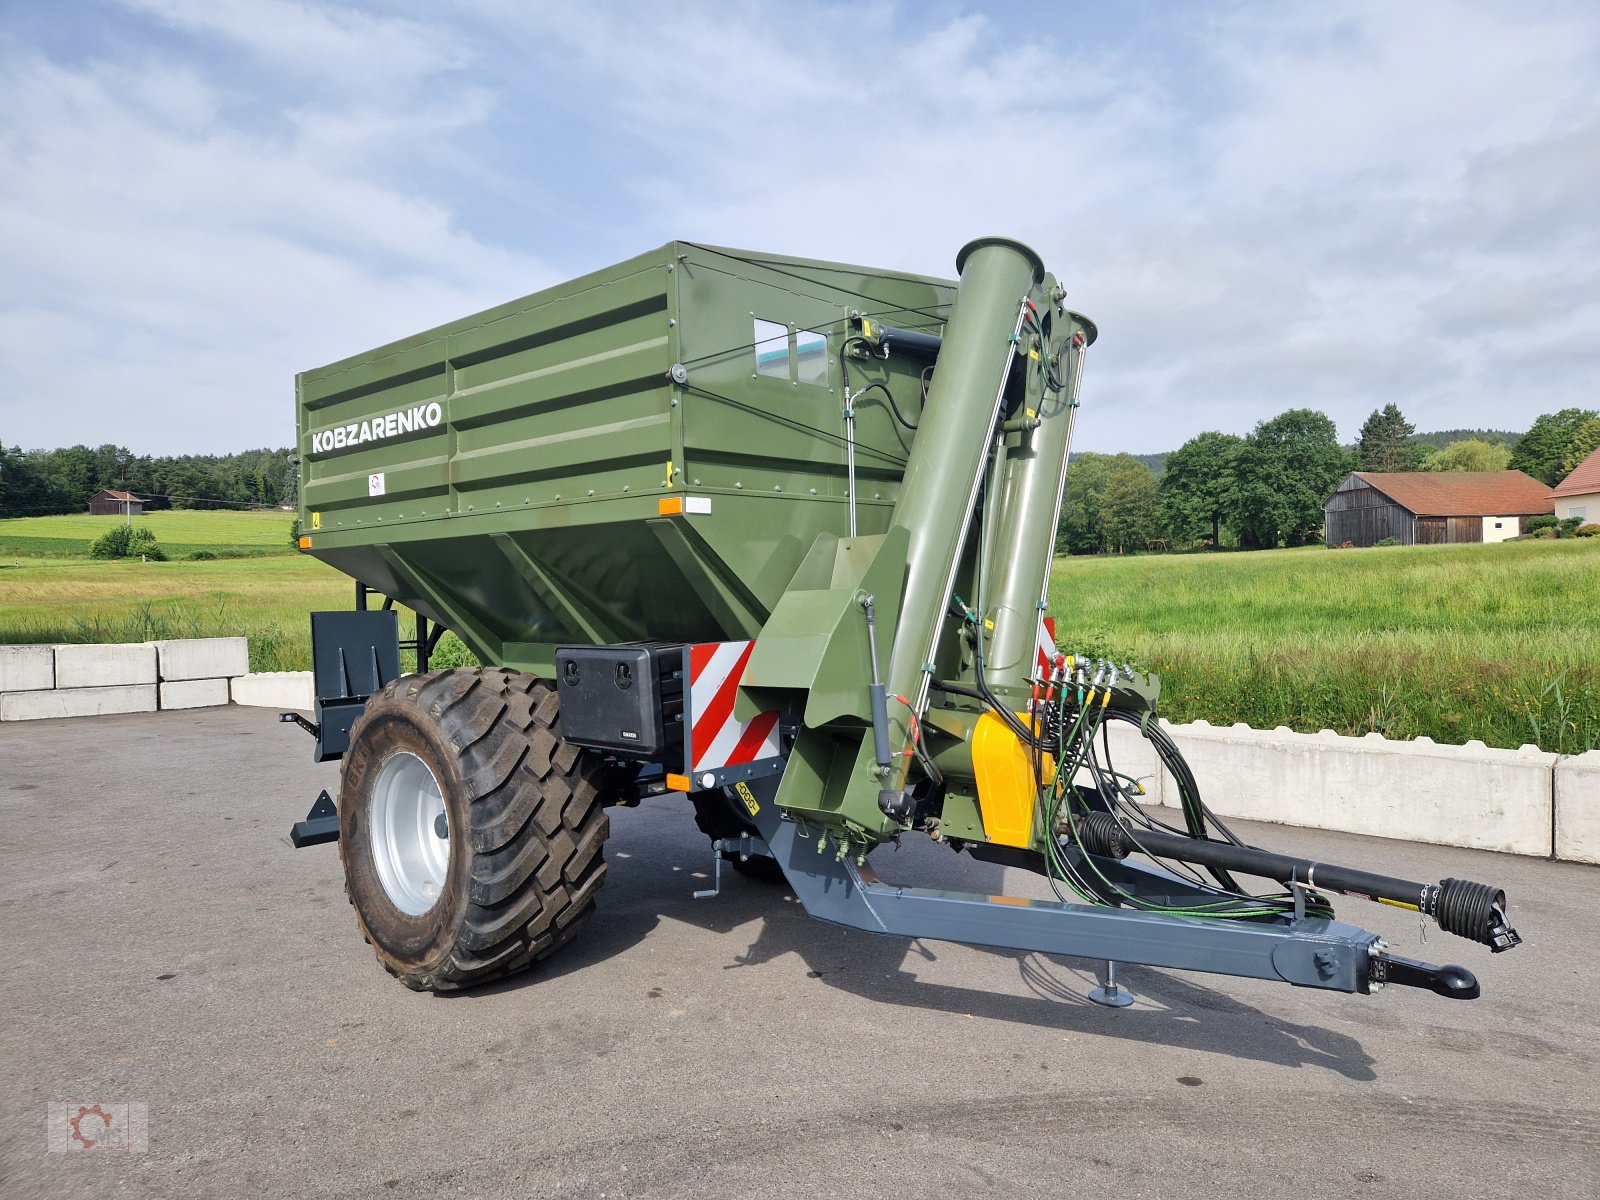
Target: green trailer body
{"points": [[844, 481], [512, 489]]}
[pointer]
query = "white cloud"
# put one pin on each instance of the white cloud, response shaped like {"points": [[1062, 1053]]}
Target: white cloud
{"points": [[174, 253], [1261, 206], [334, 48], [1292, 229]]}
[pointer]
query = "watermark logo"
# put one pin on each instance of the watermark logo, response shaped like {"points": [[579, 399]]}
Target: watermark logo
{"points": [[118, 1128]]}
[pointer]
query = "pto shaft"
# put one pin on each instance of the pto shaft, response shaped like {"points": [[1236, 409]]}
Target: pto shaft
{"points": [[1476, 911]]}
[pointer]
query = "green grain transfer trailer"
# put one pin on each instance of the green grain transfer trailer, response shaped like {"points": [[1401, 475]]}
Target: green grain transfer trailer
{"points": [[775, 534]]}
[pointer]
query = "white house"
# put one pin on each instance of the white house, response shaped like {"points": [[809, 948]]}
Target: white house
{"points": [[1578, 495]]}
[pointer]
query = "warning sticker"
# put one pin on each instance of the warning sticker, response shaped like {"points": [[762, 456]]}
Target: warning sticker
{"points": [[752, 805]]}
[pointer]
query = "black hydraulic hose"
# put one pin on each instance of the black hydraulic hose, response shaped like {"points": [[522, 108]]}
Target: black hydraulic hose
{"points": [[1032, 738], [844, 377], [984, 696], [1195, 815], [893, 407], [1475, 911], [955, 689]]}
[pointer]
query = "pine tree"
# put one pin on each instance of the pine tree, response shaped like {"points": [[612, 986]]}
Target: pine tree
{"points": [[1384, 444]]}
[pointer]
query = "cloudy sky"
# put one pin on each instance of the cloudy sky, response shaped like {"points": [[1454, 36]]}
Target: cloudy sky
{"points": [[1264, 205]]}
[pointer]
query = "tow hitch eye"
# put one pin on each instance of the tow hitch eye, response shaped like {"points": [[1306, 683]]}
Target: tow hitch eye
{"points": [[1450, 981]]}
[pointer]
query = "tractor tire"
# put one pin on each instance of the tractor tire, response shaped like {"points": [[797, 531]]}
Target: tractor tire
{"points": [[472, 836], [717, 818]]}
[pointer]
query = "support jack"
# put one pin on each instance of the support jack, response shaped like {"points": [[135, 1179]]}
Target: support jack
{"points": [[744, 846], [1111, 996]]}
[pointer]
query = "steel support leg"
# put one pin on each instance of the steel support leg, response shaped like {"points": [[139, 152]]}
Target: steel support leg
{"points": [[1111, 995]]}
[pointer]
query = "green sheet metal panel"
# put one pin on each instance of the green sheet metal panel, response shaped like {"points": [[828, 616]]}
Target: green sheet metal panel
{"points": [[503, 473]]}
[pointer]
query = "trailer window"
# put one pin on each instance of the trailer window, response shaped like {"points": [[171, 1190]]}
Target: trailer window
{"points": [[772, 348], [811, 357]]}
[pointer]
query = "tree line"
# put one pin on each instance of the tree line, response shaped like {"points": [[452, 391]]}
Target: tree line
{"points": [[1267, 488], [42, 482], [1260, 490]]}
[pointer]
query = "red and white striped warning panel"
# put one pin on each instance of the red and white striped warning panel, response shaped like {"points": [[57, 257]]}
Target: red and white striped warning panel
{"points": [[717, 743], [1045, 655]]}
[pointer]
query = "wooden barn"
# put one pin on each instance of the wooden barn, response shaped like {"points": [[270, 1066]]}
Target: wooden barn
{"points": [[115, 504], [1419, 508]]}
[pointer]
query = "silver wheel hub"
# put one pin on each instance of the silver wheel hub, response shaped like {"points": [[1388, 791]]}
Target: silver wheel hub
{"points": [[410, 833]]}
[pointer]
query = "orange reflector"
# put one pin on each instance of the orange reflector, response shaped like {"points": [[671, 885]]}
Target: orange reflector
{"points": [[678, 783], [670, 506], [305, 543]]}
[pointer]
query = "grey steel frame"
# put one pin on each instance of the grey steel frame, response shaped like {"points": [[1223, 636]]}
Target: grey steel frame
{"points": [[1304, 951]]}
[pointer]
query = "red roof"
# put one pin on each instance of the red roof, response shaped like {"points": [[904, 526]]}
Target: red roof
{"points": [[1463, 493], [108, 494], [1585, 477]]}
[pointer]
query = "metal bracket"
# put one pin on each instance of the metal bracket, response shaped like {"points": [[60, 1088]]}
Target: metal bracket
{"points": [[294, 718], [740, 773], [353, 654], [321, 824], [1299, 894]]}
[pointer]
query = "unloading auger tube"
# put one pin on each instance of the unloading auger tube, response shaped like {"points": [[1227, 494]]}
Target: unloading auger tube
{"points": [[823, 619]]}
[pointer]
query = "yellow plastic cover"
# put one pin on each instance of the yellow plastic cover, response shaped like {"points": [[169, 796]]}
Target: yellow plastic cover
{"points": [[1007, 790]]}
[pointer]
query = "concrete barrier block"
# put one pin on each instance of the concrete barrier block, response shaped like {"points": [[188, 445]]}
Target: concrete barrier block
{"points": [[27, 668], [275, 689], [1449, 795], [203, 658], [194, 693], [77, 702], [1578, 807], [98, 666]]}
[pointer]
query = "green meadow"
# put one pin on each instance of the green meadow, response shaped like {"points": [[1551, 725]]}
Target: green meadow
{"points": [[266, 599], [180, 533], [1499, 643]]}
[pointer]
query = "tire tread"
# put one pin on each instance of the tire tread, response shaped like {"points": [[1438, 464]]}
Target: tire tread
{"points": [[537, 822]]}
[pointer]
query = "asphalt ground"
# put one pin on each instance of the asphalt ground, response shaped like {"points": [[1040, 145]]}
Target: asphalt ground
{"points": [[165, 946]]}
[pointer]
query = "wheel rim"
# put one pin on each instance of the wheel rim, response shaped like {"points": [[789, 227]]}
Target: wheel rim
{"points": [[407, 847]]}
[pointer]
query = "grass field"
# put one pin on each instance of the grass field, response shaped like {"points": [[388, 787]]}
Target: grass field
{"points": [[180, 533], [1499, 643], [265, 599]]}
